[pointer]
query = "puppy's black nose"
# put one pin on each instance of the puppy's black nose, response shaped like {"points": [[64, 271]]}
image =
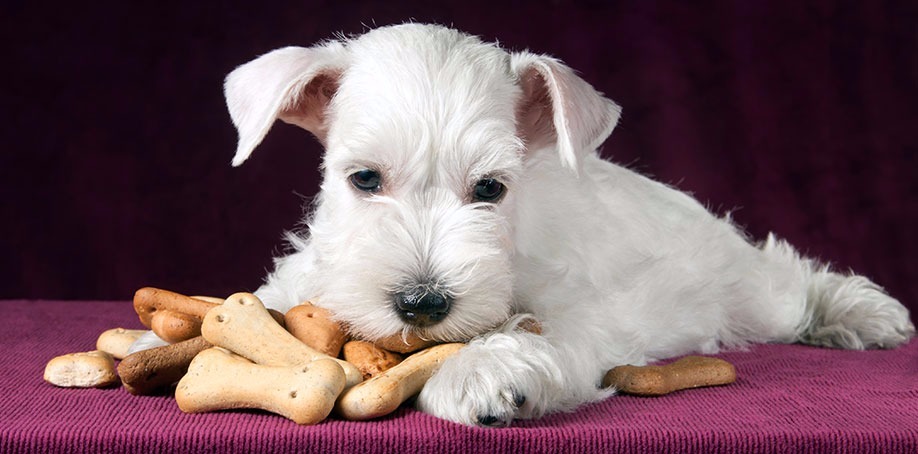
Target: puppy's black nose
{"points": [[423, 307]]}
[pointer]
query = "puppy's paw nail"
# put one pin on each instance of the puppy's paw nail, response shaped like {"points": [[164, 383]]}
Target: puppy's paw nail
{"points": [[518, 400], [491, 421]]}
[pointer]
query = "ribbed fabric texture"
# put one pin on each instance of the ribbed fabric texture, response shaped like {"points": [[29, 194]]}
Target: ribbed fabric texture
{"points": [[788, 398]]}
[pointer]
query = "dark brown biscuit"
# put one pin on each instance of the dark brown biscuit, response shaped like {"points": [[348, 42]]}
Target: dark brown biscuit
{"points": [[147, 371]]}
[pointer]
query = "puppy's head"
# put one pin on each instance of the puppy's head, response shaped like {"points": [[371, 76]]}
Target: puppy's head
{"points": [[427, 133]]}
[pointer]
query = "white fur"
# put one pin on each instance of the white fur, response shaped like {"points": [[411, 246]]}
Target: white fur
{"points": [[617, 267]]}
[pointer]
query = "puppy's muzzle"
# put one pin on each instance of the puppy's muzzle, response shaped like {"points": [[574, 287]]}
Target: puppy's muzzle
{"points": [[422, 307]]}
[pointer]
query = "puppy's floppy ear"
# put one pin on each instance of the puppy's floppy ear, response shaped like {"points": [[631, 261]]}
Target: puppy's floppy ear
{"points": [[294, 84], [559, 107]]}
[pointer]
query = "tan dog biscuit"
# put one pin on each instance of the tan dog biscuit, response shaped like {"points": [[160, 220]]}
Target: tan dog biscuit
{"points": [[149, 300], [383, 394], [220, 380], [146, 371], [117, 341], [411, 342], [242, 325], [369, 358], [404, 343], [95, 369], [688, 372], [314, 327], [209, 299]]}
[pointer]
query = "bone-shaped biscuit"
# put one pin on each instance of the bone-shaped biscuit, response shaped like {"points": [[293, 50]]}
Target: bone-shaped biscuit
{"points": [[220, 380], [117, 341], [315, 327], [688, 372], [399, 343], [383, 393], [172, 326], [95, 369], [148, 371], [148, 301], [243, 326], [369, 358]]}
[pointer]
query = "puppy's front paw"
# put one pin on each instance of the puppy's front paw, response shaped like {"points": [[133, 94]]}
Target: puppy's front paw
{"points": [[492, 381]]}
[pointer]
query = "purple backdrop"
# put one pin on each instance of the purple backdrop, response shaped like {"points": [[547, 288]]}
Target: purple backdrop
{"points": [[798, 117]]}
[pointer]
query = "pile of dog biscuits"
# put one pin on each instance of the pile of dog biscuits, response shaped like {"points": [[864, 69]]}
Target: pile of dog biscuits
{"points": [[235, 353]]}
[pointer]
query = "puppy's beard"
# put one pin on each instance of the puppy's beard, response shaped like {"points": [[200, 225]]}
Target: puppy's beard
{"points": [[362, 299], [462, 249]]}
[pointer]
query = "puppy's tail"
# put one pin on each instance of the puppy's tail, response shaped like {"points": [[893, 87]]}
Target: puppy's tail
{"points": [[844, 311]]}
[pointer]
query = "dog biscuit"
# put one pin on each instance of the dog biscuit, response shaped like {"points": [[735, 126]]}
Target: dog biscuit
{"points": [[148, 301], [315, 327], [95, 369], [243, 326], [220, 380], [172, 326], [117, 341], [688, 372], [147, 371], [383, 393], [369, 358], [403, 343]]}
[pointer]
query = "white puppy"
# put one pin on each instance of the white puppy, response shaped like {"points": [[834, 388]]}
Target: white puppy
{"points": [[462, 186]]}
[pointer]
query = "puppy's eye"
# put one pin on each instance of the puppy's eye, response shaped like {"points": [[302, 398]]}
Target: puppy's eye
{"points": [[488, 190], [366, 180]]}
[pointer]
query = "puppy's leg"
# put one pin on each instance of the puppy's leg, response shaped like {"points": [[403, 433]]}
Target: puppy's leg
{"points": [[287, 286], [845, 311]]}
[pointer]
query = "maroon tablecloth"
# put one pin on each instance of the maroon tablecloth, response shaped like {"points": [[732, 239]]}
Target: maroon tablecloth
{"points": [[787, 399]]}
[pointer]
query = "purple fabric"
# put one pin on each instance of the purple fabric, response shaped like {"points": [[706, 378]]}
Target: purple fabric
{"points": [[799, 117], [788, 398]]}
